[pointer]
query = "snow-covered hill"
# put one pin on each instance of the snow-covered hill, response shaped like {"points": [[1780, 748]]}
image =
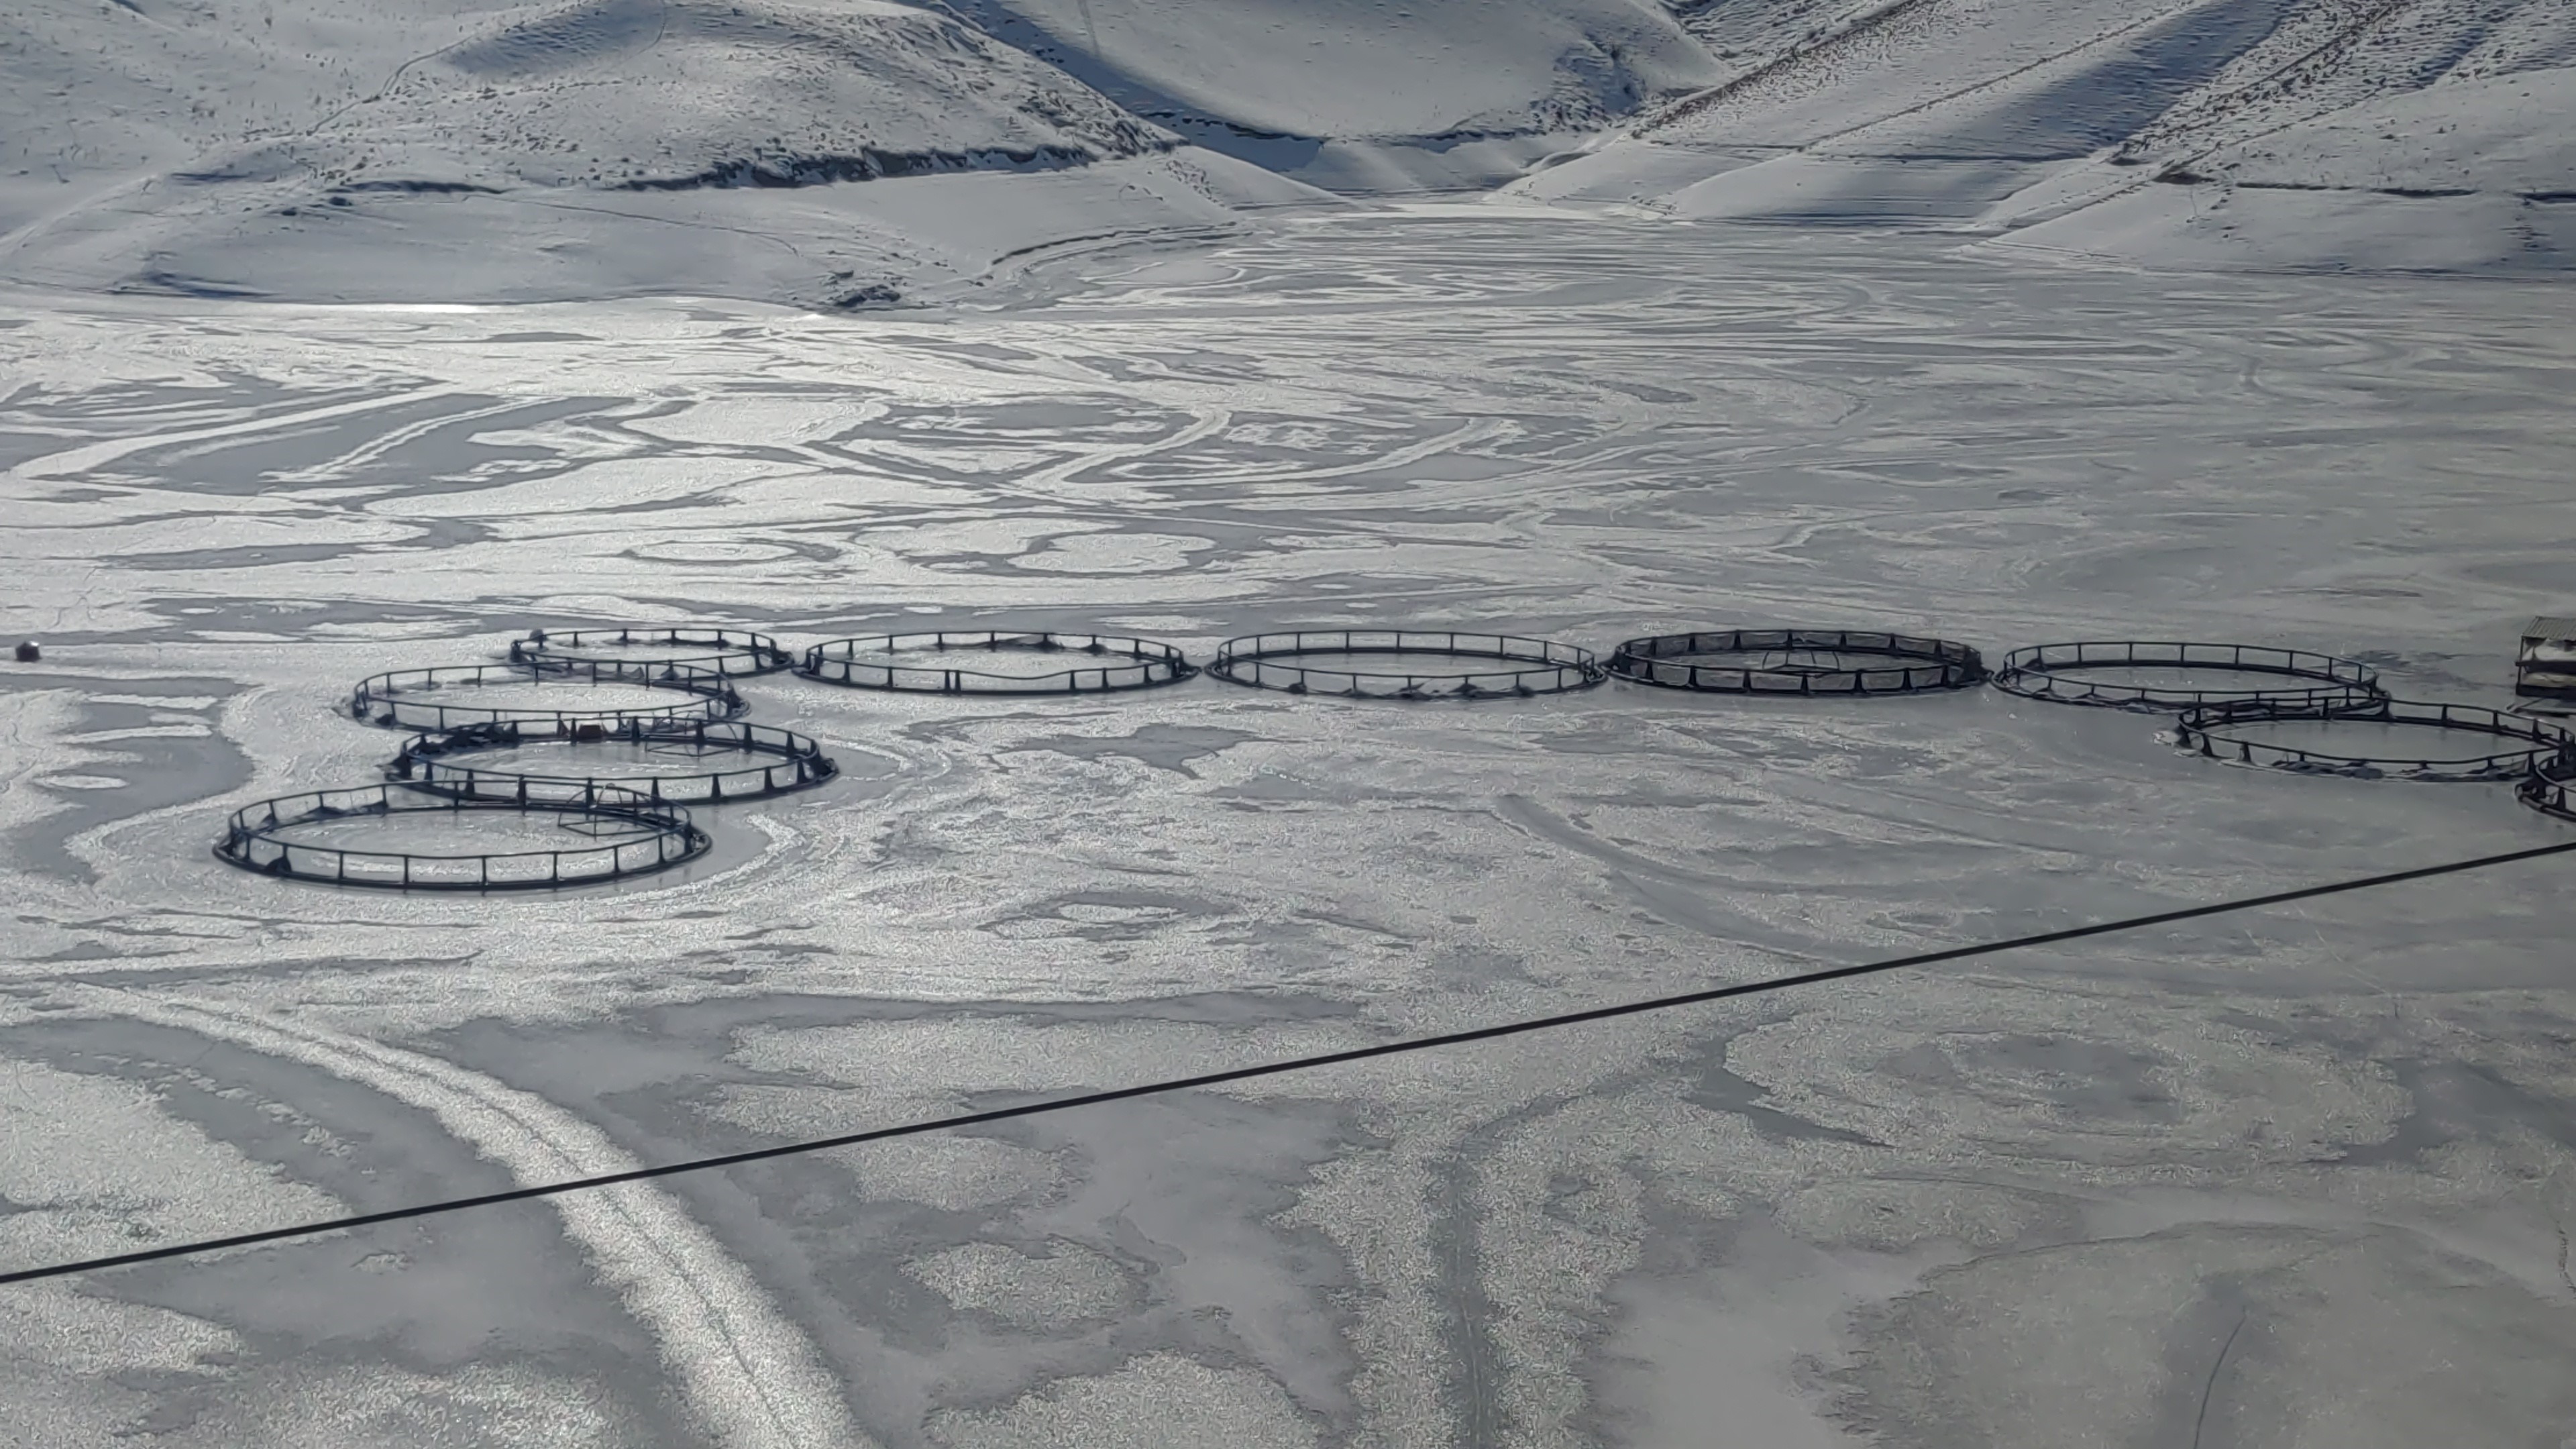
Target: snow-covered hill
{"points": [[2370, 133], [1368, 95], [855, 151], [560, 149], [830, 151]]}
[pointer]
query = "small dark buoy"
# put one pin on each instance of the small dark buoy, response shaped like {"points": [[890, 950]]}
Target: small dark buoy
{"points": [[28, 653]]}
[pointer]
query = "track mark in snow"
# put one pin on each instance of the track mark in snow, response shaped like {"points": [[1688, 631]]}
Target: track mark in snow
{"points": [[96, 455], [2209, 1388], [749, 1373]]}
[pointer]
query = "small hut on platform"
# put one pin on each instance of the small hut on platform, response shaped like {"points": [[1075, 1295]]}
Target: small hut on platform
{"points": [[2545, 666]]}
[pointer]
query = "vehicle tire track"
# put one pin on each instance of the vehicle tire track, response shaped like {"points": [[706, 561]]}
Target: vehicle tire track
{"points": [[751, 1375]]}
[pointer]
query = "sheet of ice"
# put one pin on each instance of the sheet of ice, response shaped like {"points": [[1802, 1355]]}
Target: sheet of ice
{"points": [[2248, 1179]]}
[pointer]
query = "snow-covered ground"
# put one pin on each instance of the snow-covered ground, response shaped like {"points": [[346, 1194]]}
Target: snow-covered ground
{"points": [[2305, 1176]]}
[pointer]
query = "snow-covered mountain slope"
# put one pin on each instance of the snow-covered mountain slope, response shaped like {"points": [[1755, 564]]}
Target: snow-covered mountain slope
{"points": [[851, 151], [530, 150], [820, 151], [1369, 95], [2395, 133], [95, 94]]}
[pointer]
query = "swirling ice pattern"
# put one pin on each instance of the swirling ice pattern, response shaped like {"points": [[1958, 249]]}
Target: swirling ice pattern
{"points": [[750, 1375], [219, 519]]}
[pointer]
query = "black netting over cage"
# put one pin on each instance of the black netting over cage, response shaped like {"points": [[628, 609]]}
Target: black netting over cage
{"points": [[2550, 788], [971, 661], [2125, 674], [724, 651], [1405, 664], [689, 761], [2375, 739], [574, 697], [1797, 661], [389, 838]]}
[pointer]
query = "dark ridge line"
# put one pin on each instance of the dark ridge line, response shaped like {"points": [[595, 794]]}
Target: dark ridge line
{"points": [[1450, 139], [1295, 1064], [870, 164], [2011, 157], [1233, 128], [2180, 176], [430, 188]]}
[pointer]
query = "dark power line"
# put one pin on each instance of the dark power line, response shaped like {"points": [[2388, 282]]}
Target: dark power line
{"points": [[1294, 1064]]}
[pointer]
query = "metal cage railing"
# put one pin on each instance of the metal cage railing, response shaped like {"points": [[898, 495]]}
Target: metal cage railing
{"points": [[2210, 731], [776, 762], [394, 699], [1836, 662], [946, 662], [259, 838], [2053, 672], [1520, 666]]}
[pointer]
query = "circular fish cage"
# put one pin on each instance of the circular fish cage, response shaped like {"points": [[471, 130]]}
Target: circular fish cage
{"points": [[1442, 665], [683, 761], [2550, 788], [1797, 661], [2255, 674], [2221, 732], [953, 661], [425, 700], [622, 835], [725, 651]]}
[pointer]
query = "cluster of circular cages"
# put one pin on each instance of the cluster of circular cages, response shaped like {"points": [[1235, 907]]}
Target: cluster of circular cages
{"points": [[645, 820], [971, 662], [637, 824], [1498, 666], [2288, 686]]}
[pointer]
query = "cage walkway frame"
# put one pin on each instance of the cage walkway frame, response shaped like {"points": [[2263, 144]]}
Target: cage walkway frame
{"points": [[1121, 662], [1530, 666], [1917, 665], [379, 699], [729, 652], [2206, 731], [789, 762], [2309, 678], [2550, 788], [252, 841]]}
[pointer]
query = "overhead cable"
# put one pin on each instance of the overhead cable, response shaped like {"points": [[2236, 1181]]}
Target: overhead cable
{"points": [[1280, 1068]]}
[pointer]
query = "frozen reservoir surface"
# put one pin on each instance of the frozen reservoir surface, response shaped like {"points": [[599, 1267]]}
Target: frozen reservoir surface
{"points": [[2297, 1177]]}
